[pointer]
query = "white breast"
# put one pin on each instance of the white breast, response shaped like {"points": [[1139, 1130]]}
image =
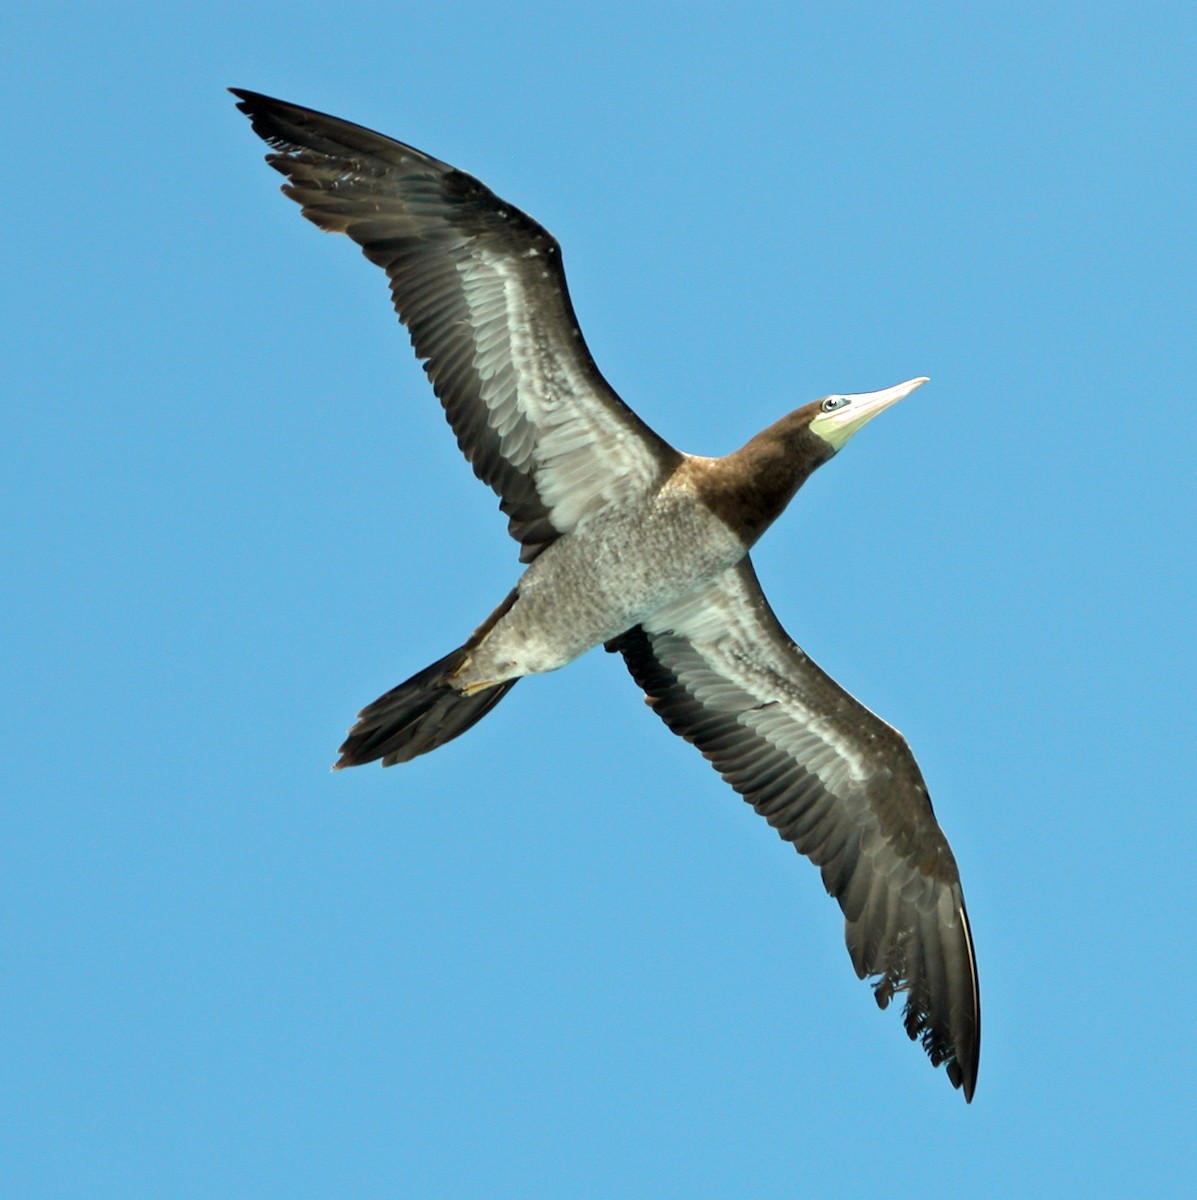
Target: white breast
{"points": [[610, 574]]}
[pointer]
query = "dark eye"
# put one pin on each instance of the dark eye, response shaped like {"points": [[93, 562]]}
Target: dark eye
{"points": [[834, 402]]}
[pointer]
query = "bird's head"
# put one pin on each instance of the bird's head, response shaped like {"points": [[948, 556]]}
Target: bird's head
{"points": [[836, 418], [752, 487]]}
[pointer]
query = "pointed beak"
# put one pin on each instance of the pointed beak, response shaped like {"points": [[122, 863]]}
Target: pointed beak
{"points": [[840, 424], [866, 405]]}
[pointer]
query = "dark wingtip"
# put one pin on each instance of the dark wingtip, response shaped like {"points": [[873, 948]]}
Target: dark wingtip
{"points": [[263, 111], [245, 96], [246, 100], [968, 1072], [965, 1080], [259, 109], [269, 115], [359, 748], [961, 1067]]}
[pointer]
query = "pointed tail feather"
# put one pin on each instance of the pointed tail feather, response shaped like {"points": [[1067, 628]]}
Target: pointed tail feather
{"points": [[417, 716]]}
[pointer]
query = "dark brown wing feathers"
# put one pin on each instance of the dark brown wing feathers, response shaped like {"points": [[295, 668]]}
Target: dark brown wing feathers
{"points": [[480, 287], [876, 841]]}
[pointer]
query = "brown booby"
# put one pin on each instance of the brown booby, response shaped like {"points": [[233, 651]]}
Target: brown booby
{"points": [[632, 544]]}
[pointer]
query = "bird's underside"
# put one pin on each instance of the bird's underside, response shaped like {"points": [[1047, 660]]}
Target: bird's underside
{"points": [[631, 544]]}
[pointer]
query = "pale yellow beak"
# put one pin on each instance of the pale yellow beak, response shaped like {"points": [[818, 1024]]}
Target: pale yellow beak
{"points": [[841, 423]]}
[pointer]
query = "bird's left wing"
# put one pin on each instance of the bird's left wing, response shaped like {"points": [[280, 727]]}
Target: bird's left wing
{"points": [[833, 779], [480, 286]]}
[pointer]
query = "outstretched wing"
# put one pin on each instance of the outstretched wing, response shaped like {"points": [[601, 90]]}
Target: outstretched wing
{"points": [[837, 782], [481, 289]]}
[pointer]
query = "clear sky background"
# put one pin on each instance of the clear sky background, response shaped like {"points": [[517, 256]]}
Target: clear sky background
{"points": [[560, 958]]}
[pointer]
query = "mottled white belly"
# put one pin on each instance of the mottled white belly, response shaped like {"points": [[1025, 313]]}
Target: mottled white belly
{"points": [[605, 577]]}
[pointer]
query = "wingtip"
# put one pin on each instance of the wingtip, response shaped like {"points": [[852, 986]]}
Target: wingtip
{"points": [[348, 754], [965, 1080], [969, 1081], [249, 103], [256, 104]]}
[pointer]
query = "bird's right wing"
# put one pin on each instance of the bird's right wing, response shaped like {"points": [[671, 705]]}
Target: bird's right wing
{"points": [[481, 289], [833, 779]]}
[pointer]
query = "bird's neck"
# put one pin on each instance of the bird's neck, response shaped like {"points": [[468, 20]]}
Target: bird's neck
{"points": [[750, 488]]}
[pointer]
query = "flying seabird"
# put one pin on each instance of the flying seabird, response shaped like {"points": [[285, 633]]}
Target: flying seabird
{"points": [[634, 545]]}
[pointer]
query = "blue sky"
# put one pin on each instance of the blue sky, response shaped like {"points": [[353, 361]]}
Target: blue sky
{"points": [[559, 957]]}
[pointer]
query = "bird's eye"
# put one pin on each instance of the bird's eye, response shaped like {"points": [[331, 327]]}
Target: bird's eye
{"points": [[834, 402]]}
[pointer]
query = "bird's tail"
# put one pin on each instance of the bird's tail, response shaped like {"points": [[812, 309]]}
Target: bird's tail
{"points": [[425, 712]]}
